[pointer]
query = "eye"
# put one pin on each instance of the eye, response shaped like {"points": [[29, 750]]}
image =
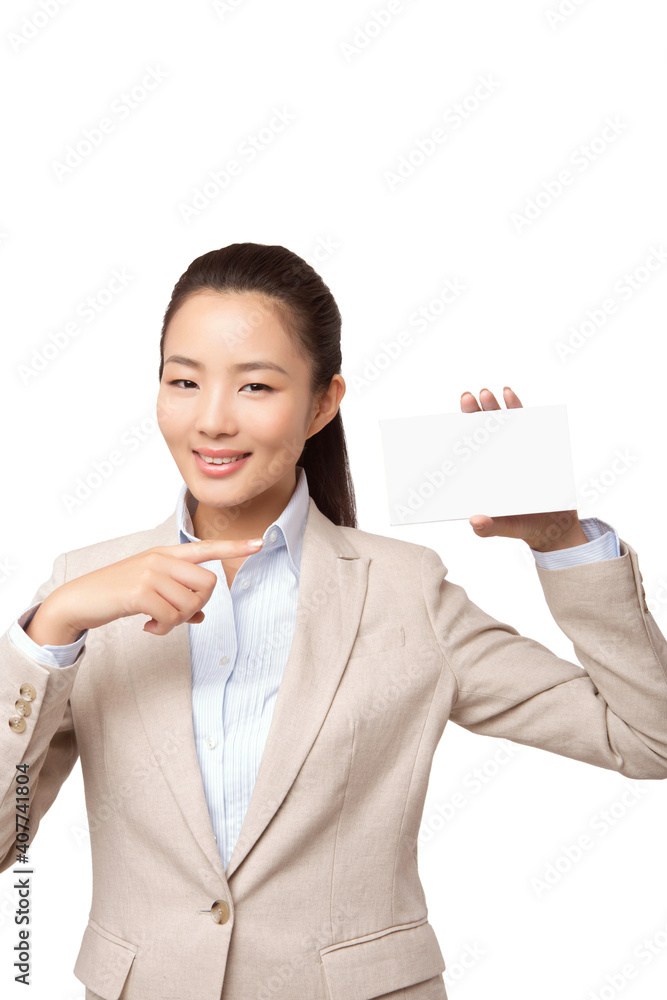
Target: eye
{"points": [[257, 385]]}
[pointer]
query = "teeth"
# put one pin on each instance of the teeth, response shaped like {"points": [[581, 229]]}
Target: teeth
{"points": [[219, 461]]}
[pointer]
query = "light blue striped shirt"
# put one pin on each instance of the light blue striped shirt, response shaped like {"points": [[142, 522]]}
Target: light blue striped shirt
{"points": [[239, 652]]}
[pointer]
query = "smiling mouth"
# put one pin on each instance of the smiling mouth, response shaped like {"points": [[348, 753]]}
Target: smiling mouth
{"points": [[222, 461]]}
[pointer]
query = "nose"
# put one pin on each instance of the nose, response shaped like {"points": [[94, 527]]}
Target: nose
{"points": [[215, 415]]}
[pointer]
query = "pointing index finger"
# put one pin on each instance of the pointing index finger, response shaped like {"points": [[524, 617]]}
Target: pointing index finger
{"points": [[218, 548]]}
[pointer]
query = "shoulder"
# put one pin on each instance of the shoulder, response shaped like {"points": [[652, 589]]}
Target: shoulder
{"points": [[387, 550], [403, 576], [379, 549], [397, 567]]}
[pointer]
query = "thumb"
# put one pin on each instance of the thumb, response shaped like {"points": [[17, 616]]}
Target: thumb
{"points": [[488, 527], [482, 524], [509, 526]]}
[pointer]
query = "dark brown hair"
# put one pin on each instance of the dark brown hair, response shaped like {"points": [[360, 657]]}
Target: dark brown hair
{"points": [[312, 321]]}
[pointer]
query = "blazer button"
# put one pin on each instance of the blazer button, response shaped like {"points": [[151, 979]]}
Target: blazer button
{"points": [[22, 707], [28, 692], [17, 723], [219, 911]]}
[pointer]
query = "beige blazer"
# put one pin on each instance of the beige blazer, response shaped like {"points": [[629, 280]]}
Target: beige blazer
{"points": [[322, 899]]}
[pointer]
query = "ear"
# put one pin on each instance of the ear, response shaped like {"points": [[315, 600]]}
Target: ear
{"points": [[325, 406]]}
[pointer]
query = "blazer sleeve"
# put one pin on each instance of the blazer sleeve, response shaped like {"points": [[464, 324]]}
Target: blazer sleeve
{"points": [[47, 743], [612, 713]]}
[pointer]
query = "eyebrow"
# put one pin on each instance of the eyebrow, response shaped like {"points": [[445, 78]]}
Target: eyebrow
{"points": [[241, 366]]}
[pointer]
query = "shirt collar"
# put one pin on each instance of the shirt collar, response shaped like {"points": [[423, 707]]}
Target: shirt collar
{"points": [[290, 524]]}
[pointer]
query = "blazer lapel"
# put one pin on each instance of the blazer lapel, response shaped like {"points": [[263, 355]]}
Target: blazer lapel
{"points": [[332, 588]]}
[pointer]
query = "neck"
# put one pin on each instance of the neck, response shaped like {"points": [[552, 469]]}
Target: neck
{"points": [[248, 519]]}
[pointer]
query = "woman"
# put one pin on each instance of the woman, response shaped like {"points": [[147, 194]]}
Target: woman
{"points": [[255, 784]]}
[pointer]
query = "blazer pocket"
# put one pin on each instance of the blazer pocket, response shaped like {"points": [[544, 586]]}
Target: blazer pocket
{"points": [[104, 961], [382, 962], [378, 641]]}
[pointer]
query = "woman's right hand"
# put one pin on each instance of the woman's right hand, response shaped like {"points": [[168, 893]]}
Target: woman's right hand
{"points": [[163, 582]]}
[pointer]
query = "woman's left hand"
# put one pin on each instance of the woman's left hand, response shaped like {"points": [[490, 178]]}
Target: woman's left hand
{"points": [[545, 531]]}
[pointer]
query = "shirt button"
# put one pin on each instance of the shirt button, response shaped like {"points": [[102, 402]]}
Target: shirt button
{"points": [[224, 659], [211, 742], [273, 536], [245, 584]]}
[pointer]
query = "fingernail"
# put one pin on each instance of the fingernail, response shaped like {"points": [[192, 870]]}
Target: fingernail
{"points": [[255, 543]]}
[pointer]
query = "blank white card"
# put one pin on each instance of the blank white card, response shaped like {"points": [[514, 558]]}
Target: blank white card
{"points": [[450, 466]]}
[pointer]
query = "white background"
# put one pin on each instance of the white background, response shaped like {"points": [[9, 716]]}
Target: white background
{"points": [[323, 182]]}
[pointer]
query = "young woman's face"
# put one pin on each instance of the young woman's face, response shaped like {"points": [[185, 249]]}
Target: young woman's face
{"points": [[227, 397]]}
